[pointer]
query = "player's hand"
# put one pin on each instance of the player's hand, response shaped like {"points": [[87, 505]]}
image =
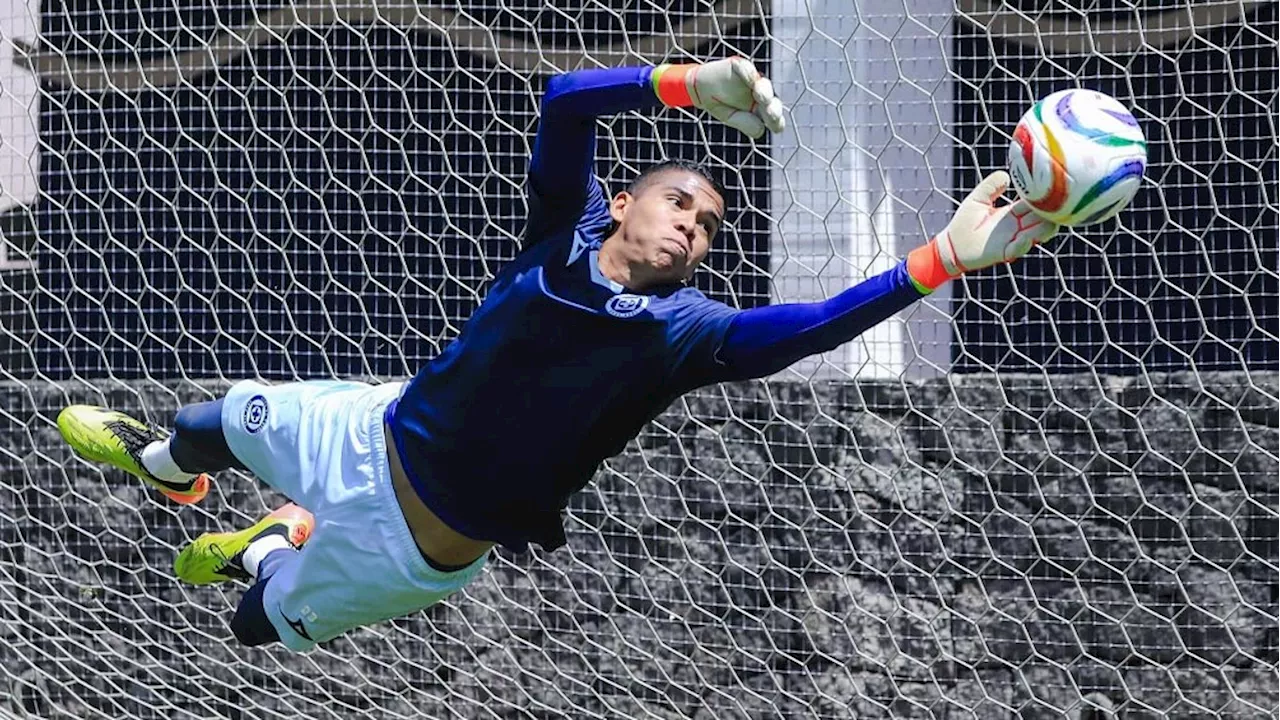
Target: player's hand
{"points": [[730, 90], [980, 234]]}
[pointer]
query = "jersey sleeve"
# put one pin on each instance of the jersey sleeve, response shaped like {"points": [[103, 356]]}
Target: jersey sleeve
{"points": [[762, 341], [695, 334], [561, 181]]}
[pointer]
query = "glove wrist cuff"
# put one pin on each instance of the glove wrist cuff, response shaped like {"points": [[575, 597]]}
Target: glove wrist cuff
{"points": [[924, 266], [670, 85]]}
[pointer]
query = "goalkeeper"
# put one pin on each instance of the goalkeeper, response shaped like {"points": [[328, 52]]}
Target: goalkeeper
{"points": [[401, 489]]}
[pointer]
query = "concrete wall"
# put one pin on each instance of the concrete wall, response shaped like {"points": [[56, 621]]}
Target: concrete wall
{"points": [[974, 548]]}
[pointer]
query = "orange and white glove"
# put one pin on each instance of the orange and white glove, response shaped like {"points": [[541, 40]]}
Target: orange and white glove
{"points": [[730, 90], [980, 234]]}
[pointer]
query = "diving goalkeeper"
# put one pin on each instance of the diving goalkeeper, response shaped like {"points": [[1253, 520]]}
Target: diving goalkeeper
{"points": [[400, 490]]}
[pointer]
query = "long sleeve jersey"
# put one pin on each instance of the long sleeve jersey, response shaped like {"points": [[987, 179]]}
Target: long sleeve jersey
{"points": [[560, 367]]}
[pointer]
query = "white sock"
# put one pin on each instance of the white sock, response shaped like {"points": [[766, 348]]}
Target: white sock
{"points": [[258, 550], [158, 461]]}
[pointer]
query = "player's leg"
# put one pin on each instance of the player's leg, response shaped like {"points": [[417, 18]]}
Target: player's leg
{"points": [[250, 625], [253, 554], [254, 427], [355, 570], [176, 465], [197, 445], [217, 557], [360, 565]]}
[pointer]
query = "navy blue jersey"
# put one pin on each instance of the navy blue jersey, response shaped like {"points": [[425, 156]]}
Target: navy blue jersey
{"points": [[560, 367]]}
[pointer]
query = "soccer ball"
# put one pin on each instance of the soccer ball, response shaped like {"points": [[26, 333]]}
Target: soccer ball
{"points": [[1077, 157]]}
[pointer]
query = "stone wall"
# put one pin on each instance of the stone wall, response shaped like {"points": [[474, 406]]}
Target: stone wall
{"points": [[976, 547]]}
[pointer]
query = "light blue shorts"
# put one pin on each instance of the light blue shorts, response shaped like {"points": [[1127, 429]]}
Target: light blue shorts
{"points": [[321, 444]]}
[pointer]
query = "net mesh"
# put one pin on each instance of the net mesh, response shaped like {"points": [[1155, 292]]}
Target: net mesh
{"points": [[1051, 493]]}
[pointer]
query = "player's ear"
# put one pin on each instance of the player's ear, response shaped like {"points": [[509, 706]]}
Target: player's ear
{"points": [[619, 206]]}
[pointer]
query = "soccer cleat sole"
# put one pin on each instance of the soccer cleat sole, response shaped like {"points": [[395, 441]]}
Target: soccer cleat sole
{"points": [[211, 558], [83, 427]]}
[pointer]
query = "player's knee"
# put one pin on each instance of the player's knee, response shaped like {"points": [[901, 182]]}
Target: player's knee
{"points": [[250, 624]]}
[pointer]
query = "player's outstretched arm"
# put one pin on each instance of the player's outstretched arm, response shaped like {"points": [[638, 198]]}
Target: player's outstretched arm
{"points": [[561, 169], [981, 234]]}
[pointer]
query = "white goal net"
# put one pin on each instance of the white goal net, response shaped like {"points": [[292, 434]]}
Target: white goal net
{"points": [[1050, 491]]}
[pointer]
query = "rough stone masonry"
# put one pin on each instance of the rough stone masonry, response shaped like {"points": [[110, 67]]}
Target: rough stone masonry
{"points": [[973, 547]]}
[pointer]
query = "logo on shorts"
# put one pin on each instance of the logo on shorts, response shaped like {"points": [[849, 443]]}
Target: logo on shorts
{"points": [[296, 625], [255, 414], [625, 306]]}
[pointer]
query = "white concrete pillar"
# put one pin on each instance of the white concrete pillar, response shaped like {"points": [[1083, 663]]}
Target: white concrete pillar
{"points": [[19, 117], [864, 172]]}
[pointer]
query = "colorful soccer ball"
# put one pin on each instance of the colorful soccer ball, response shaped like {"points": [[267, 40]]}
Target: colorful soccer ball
{"points": [[1077, 157]]}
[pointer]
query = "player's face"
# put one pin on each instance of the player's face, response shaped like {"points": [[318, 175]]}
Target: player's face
{"points": [[669, 224]]}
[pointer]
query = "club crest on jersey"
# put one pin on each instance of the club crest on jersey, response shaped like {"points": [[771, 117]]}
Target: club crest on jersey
{"points": [[625, 305], [255, 414]]}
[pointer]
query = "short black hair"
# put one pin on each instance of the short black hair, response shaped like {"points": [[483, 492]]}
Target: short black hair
{"points": [[647, 176]]}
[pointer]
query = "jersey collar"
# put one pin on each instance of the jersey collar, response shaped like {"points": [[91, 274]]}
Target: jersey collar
{"points": [[583, 243]]}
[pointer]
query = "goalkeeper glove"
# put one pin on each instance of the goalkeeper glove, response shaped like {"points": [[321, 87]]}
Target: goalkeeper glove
{"points": [[730, 90], [979, 235]]}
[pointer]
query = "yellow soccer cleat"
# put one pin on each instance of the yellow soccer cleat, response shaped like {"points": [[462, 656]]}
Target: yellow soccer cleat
{"points": [[217, 557], [111, 437]]}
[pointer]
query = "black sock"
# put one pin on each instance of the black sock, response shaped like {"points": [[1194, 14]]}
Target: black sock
{"points": [[198, 445]]}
